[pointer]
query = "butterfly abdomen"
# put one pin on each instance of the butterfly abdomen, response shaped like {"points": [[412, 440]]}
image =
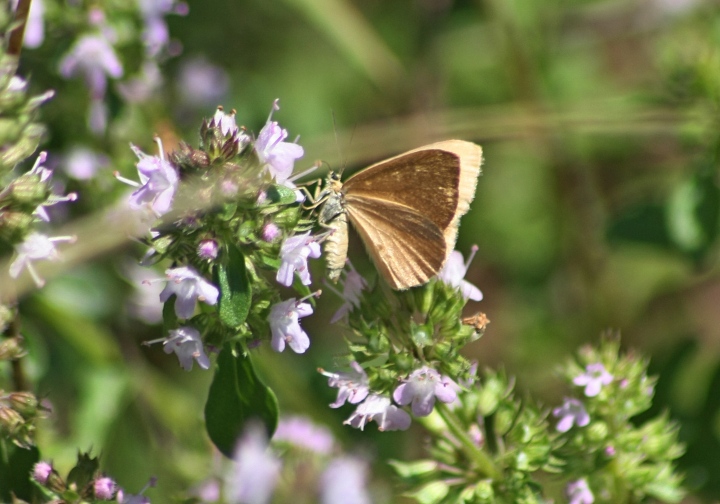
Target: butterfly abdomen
{"points": [[334, 218]]}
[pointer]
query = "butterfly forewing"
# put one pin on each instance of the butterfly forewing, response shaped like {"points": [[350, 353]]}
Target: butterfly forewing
{"points": [[421, 180]]}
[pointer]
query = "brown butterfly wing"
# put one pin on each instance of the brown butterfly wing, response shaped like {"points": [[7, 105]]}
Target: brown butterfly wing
{"points": [[406, 247], [434, 185], [425, 181]]}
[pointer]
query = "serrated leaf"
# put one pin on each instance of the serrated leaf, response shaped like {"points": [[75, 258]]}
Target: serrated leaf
{"points": [[281, 195], [236, 397], [235, 292]]}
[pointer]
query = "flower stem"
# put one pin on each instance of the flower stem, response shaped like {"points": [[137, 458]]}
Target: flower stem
{"points": [[16, 36], [474, 453]]}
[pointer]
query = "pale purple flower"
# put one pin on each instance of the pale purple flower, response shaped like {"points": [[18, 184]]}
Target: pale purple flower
{"points": [[131, 498], [270, 232], [344, 482], [207, 491], [453, 273], [187, 345], [229, 128], [36, 247], [593, 379], [201, 83], [42, 471], [226, 122], [141, 87], [285, 327], [156, 34], [104, 488], [572, 412], [97, 116], [276, 155], [421, 389], [82, 163], [294, 254], [302, 432], [189, 287], [254, 475], [578, 492], [380, 409], [95, 60], [158, 182], [138, 498], [208, 249], [353, 286], [353, 386]]}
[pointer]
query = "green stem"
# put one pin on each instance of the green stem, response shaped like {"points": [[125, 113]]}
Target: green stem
{"points": [[474, 453]]}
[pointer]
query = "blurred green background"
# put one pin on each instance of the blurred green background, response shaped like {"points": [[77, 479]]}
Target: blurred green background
{"points": [[597, 209]]}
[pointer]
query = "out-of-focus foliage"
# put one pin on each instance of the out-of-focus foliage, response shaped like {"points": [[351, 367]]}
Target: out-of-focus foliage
{"points": [[598, 205]]}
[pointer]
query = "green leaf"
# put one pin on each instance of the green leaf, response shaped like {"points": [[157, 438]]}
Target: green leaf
{"points": [[235, 293], [15, 467], [84, 470], [168, 314], [281, 195], [642, 224], [237, 396], [432, 493], [692, 215]]}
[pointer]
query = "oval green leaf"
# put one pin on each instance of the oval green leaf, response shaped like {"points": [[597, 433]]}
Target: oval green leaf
{"points": [[237, 396], [235, 292], [281, 195]]}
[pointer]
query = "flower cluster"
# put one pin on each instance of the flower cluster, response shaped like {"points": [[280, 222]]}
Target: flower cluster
{"points": [[488, 437], [221, 210], [428, 320], [95, 487], [23, 204], [95, 55], [258, 475]]}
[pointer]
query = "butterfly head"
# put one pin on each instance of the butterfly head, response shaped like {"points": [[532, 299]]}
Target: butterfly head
{"points": [[333, 183]]}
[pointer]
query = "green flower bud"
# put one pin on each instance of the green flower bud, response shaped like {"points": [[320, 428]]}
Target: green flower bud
{"points": [[6, 316], [484, 491], [597, 431], [421, 335], [24, 403], [29, 190], [15, 225], [56, 483], [403, 361], [10, 349], [10, 421], [431, 493]]}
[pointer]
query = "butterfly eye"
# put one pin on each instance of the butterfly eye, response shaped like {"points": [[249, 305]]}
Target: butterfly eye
{"points": [[335, 176]]}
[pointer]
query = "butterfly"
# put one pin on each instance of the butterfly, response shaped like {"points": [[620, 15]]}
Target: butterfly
{"points": [[406, 210]]}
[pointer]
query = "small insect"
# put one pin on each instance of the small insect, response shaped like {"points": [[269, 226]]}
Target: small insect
{"points": [[406, 209]]}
